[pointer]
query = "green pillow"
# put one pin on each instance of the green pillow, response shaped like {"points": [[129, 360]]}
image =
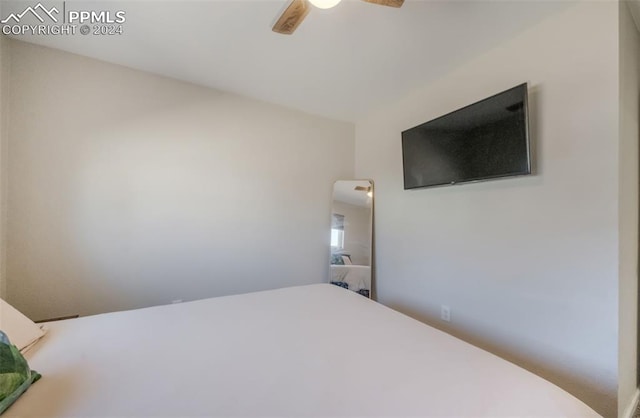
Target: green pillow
{"points": [[15, 374]]}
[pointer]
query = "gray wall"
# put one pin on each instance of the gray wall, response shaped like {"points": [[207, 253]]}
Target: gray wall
{"points": [[628, 209], [128, 189], [528, 266], [357, 231]]}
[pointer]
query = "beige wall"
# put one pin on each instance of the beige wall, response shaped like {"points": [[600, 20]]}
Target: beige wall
{"points": [[528, 266], [3, 161], [628, 209], [128, 189], [357, 231]]}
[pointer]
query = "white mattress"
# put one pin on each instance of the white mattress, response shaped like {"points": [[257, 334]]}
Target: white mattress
{"points": [[305, 351]]}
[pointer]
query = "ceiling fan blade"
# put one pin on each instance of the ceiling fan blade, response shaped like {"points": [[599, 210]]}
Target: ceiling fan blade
{"points": [[292, 17], [390, 3]]}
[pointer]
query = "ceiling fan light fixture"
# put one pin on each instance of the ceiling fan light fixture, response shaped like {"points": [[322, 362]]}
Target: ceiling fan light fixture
{"points": [[325, 4]]}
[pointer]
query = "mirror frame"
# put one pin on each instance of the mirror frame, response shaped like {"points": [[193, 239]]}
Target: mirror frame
{"points": [[333, 273]]}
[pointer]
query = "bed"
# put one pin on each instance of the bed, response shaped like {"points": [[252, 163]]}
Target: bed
{"points": [[354, 276], [315, 350]]}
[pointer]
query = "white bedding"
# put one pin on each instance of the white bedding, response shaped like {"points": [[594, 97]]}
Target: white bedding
{"points": [[357, 277], [315, 350]]}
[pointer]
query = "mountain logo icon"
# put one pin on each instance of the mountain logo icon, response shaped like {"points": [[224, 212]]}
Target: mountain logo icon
{"points": [[38, 11]]}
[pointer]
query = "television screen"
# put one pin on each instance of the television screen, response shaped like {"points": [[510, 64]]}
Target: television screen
{"points": [[485, 140]]}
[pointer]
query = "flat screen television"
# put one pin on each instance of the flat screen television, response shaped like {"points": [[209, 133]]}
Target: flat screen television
{"points": [[486, 140]]}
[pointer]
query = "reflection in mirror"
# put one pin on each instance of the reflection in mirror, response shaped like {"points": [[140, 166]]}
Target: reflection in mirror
{"points": [[351, 235]]}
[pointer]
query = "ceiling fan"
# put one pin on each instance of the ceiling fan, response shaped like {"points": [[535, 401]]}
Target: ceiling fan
{"points": [[297, 10], [369, 190]]}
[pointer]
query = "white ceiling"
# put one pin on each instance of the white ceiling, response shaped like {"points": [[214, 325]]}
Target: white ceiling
{"points": [[344, 191], [341, 63]]}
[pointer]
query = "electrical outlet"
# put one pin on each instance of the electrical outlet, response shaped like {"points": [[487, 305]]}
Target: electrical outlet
{"points": [[445, 313], [176, 301]]}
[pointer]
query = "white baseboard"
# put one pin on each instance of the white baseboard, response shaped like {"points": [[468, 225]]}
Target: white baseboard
{"points": [[631, 408]]}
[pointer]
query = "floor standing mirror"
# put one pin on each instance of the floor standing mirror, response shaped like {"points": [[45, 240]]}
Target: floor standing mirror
{"points": [[352, 235]]}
